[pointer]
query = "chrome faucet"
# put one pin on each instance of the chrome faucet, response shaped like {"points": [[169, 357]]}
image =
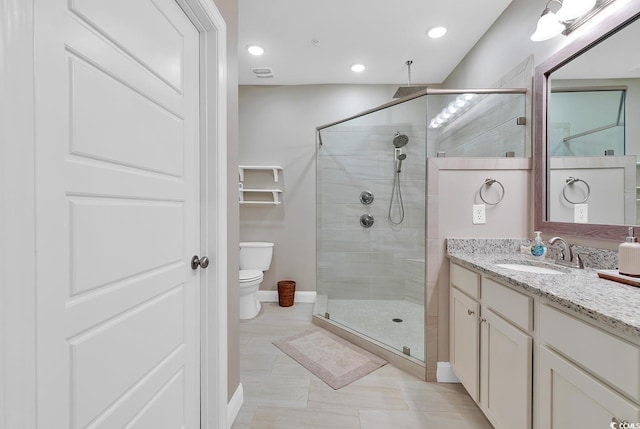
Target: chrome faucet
{"points": [[565, 257]]}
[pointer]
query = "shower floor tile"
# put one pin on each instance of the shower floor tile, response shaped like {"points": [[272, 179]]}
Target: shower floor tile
{"points": [[375, 319]]}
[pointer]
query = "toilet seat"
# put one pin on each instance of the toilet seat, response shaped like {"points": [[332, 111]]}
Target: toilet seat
{"points": [[250, 275]]}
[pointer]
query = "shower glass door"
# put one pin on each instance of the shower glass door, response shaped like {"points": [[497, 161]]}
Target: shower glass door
{"points": [[371, 212], [371, 182]]}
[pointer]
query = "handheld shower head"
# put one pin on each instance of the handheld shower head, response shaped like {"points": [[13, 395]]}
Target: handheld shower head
{"points": [[400, 140], [401, 157]]}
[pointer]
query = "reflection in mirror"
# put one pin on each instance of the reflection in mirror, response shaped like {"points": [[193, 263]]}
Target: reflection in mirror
{"points": [[586, 122], [586, 172]]}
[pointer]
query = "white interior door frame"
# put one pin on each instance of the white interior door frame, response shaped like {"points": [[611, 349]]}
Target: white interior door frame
{"points": [[213, 156], [17, 213]]}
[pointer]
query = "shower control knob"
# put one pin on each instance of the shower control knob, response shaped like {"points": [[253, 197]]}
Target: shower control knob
{"points": [[366, 197], [199, 262], [366, 220]]}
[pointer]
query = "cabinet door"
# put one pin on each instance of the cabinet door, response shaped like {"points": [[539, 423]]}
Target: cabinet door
{"points": [[506, 364], [568, 397], [465, 340]]}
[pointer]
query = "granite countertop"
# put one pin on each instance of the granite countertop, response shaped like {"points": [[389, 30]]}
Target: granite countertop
{"points": [[580, 290]]}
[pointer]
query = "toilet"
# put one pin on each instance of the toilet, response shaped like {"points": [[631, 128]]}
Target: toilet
{"points": [[255, 258]]}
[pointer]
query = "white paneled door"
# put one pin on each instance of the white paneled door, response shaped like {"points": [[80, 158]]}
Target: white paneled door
{"points": [[117, 215]]}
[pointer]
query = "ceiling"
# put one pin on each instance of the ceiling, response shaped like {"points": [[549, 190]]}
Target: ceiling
{"points": [[381, 34]]}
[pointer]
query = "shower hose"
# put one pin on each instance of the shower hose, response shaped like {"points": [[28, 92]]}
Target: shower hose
{"points": [[396, 194]]}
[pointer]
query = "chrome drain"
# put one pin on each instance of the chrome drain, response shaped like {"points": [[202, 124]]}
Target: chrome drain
{"points": [[396, 319]]}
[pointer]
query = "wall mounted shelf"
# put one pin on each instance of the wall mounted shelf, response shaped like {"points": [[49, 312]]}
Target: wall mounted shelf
{"points": [[276, 169], [275, 194], [260, 195]]}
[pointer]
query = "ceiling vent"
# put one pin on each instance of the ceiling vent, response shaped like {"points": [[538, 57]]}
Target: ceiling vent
{"points": [[262, 72]]}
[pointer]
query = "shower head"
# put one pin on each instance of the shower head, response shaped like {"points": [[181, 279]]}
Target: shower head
{"points": [[405, 91], [399, 160], [400, 140]]}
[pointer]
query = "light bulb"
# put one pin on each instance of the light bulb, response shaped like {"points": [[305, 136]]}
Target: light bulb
{"points": [[460, 102], [572, 9], [548, 26]]}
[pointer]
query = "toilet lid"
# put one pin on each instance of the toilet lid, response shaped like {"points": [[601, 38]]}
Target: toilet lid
{"points": [[250, 275]]}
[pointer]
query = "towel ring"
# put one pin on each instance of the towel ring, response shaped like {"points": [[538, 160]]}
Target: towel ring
{"points": [[571, 181], [487, 183]]}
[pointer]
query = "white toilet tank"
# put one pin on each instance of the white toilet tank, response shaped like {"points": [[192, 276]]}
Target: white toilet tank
{"points": [[255, 255]]}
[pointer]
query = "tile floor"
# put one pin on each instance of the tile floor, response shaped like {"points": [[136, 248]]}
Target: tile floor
{"points": [[281, 394]]}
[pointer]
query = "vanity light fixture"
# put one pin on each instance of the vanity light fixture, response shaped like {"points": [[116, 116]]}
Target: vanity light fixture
{"points": [[357, 68], [548, 25], [568, 16], [572, 9], [255, 50]]}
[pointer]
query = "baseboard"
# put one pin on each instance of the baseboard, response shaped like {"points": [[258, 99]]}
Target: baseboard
{"points": [[234, 405], [444, 373], [272, 296]]}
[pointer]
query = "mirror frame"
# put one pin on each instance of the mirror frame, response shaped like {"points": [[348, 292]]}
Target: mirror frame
{"points": [[623, 14]]}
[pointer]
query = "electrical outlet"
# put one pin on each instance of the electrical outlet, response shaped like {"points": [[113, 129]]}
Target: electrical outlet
{"points": [[581, 213], [479, 214]]}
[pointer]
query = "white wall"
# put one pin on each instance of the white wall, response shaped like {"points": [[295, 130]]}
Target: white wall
{"points": [[277, 127]]}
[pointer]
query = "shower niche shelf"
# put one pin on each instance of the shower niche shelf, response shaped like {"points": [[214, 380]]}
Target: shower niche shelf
{"points": [[254, 194]]}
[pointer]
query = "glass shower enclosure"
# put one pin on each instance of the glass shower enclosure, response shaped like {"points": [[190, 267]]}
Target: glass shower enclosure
{"points": [[372, 203]]}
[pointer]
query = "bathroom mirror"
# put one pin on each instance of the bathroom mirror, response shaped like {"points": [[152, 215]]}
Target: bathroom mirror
{"points": [[586, 151]]}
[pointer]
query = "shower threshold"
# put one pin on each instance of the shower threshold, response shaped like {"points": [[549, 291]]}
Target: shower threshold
{"points": [[370, 324]]}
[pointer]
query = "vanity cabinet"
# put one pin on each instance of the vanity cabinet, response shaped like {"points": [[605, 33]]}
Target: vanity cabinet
{"points": [[587, 377], [465, 341], [506, 364], [491, 348], [581, 373]]}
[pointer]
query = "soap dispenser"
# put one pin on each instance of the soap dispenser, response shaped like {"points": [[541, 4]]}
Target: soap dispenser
{"points": [[538, 249], [629, 256]]}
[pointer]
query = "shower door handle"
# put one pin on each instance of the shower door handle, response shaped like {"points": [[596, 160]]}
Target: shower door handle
{"points": [[199, 262]]}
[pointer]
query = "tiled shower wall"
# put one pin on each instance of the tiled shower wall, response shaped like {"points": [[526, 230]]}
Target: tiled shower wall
{"points": [[384, 261]]}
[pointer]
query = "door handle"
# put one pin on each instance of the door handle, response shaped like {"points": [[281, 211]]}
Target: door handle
{"points": [[199, 262]]}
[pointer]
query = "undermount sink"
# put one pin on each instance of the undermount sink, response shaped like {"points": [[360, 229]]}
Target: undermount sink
{"points": [[529, 268]]}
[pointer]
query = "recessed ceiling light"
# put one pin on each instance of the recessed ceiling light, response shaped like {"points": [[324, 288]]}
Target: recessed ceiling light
{"points": [[436, 32], [255, 50], [357, 68]]}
